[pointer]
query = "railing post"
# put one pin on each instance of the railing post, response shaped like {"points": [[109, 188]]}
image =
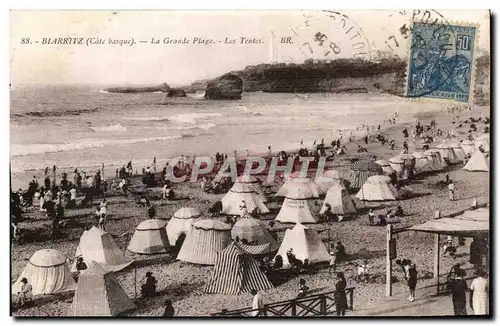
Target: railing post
{"points": [[294, 308], [323, 305], [351, 299], [264, 311]]}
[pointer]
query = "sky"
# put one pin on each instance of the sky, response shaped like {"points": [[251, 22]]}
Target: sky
{"points": [[315, 35]]}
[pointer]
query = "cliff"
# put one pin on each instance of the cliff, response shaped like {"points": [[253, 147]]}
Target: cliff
{"points": [[226, 87], [148, 89]]}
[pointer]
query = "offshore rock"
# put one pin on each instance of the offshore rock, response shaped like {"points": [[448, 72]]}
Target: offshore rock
{"points": [[226, 87], [175, 92]]}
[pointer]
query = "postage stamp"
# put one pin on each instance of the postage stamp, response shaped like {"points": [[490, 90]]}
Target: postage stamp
{"points": [[441, 61]]}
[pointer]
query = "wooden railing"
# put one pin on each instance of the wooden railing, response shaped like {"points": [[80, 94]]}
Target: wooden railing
{"points": [[322, 304]]}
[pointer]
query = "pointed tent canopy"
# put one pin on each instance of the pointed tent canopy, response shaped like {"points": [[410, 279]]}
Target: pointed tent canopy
{"points": [[305, 244], [242, 193], [150, 237], [254, 183], [181, 223], [377, 188], [361, 171], [477, 162], [99, 246], [340, 201], [236, 272], [295, 208], [252, 230], [205, 239], [99, 293], [386, 167], [47, 272], [473, 223], [295, 181], [468, 146]]}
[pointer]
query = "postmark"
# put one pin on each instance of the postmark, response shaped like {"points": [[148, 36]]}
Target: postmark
{"points": [[441, 61]]}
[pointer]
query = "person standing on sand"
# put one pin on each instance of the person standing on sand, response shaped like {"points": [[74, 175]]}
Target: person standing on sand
{"points": [[458, 287], [340, 295], [169, 309], [371, 217], [257, 303], [451, 190], [412, 282], [479, 293]]}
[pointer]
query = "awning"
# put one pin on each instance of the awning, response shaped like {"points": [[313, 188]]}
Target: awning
{"points": [[473, 223]]}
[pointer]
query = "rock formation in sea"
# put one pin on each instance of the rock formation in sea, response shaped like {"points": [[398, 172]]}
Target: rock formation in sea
{"points": [[148, 89], [226, 87], [176, 92]]}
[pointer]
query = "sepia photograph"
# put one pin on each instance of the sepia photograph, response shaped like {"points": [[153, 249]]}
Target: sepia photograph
{"points": [[250, 163]]}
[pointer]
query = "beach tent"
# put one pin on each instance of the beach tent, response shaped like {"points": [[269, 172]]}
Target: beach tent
{"points": [[99, 246], [468, 146], [340, 201], [150, 237], [439, 159], [458, 151], [477, 162], [253, 232], [48, 272], [254, 183], [181, 223], [205, 239], [433, 158], [242, 193], [386, 167], [293, 181], [422, 163], [447, 153], [330, 178], [98, 294], [305, 244], [295, 208], [236, 272], [483, 140], [361, 171], [377, 188]]}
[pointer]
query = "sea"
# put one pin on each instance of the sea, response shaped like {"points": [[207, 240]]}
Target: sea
{"points": [[76, 126]]}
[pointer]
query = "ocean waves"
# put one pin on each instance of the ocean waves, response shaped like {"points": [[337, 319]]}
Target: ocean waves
{"points": [[43, 114]]}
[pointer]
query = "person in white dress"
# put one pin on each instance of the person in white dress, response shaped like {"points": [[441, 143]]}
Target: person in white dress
{"points": [[257, 303], [479, 294]]}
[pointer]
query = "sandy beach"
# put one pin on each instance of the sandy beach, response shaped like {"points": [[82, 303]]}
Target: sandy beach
{"points": [[184, 282]]}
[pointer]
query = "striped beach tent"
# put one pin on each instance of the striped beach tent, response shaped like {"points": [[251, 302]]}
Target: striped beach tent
{"points": [[295, 208], [99, 246], [422, 163], [181, 223], [386, 167], [447, 153], [236, 272], [361, 171], [149, 238], [253, 232], [339, 200], [254, 183], [458, 150], [435, 152], [205, 239], [48, 272], [239, 194], [99, 294], [468, 146], [378, 188], [433, 158]]}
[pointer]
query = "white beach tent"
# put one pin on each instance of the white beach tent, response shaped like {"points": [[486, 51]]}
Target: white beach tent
{"points": [[99, 246], [181, 223], [468, 146], [254, 183], [439, 159], [99, 294], [206, 238], [422, 163], [447, 153], [48, 272], [295, 208], [477, 162], [242, 193], [484, 141], [293, 181], [377, 188], [386, 167], [340, 201], [236, 272], [254, 232], [330, 178], [305, 243], [397, 164], [433, 159], [149, 238]]}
